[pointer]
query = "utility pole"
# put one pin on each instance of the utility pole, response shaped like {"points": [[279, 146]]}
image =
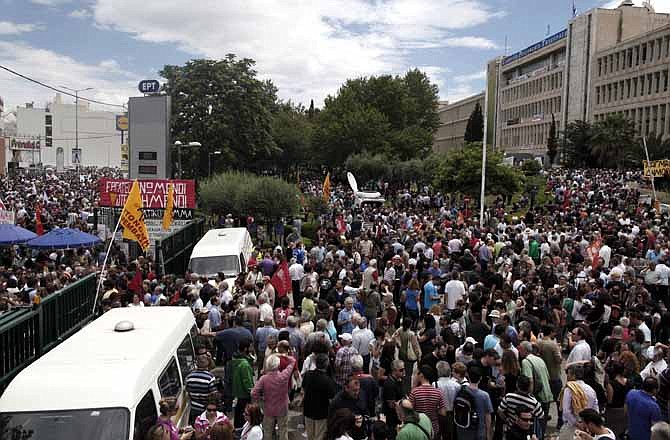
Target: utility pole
{"points": [[483, 191], [76, 117]]}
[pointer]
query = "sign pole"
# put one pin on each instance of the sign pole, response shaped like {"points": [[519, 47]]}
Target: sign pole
{"points": [[483, 191], [646, 152], [104, 263]]}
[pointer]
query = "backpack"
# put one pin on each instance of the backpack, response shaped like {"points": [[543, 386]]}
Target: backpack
{"points": [[465, 409]]}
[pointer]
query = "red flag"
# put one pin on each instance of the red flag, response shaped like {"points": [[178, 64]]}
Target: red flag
{"points": [[281, 280], [135, 285], [39, 228]]}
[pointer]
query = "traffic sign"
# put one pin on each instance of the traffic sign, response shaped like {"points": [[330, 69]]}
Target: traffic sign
{"points": [[122, 122], [149, 86]]}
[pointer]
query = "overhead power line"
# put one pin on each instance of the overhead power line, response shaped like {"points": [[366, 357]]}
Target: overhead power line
{"points": [[64, 92]]}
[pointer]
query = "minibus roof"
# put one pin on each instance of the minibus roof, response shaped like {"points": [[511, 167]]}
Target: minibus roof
{"points": [[217, 242], [99, 367]]}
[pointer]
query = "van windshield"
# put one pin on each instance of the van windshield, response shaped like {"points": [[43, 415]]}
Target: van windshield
{"points": [[228, 264], [100, 424]]}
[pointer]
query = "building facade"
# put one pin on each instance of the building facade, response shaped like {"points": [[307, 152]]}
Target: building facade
{"points": [[49, 136], [632, 79], [578, 74], [453, 121], [529, 95]]}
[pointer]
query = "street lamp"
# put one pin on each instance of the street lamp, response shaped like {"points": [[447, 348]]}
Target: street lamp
{"points": [[76, 115], [179, 144], [213, 153]]}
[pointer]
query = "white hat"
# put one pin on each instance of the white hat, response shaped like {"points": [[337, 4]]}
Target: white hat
{"points": [[412, 262], [494, 314], [346, 337]]}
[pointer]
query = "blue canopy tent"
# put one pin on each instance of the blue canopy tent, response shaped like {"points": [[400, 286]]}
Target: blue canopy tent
{"points": [[12, 234], [65, 238]]}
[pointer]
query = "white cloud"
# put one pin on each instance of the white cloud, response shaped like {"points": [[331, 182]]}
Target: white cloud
{"points": [[470, 42], [110, 83], [477, 76], [9, 28], [307, 48], [80, 13], [659, 5]]}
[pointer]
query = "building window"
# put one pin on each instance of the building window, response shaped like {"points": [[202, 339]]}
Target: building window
{"points": [[147, 169], [665, 80], [642, 79], [48, 119], [644, 53], [650, 83], [148, 155], [48, 131], [48, 142]]}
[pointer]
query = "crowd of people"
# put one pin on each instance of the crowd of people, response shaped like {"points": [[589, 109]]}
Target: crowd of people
{"points": [[412, 321]]}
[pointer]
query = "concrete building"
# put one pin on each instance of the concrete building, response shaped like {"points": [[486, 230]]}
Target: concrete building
{"points": [[48, 136], [453, 121], [563, 74], [529, 89], [632, 79]]}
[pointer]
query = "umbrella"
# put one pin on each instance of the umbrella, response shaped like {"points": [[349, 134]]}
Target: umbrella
{"points": [[65, 238], [12, 234]]}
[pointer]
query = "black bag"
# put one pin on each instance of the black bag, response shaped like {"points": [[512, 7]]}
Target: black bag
{"points": [[465, 409]]}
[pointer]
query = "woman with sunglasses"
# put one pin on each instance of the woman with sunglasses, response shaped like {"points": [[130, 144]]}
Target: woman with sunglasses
{"points": [[252, 429], [209, 418]]}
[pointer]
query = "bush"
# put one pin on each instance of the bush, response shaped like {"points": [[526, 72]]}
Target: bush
{"points": [[309, 230], [266, 198], [531, 167]]}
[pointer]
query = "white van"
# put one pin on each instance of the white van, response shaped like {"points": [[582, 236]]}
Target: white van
{"points": [[222, 250], [103, 383]]}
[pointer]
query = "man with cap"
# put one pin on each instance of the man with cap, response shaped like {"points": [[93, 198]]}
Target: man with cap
{"points": [[200, 384], [343, 359]]}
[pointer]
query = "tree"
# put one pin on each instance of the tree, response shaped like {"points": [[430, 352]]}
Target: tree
{"points": [[474, 131], [266, 198], [310, 112], [658, 147], [366, 166], [614, 143], [577, 139], [552, 143], [461, 171], [387, 114], [224, 106], [292, 133]]}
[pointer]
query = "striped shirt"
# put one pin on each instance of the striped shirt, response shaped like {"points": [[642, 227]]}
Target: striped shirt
{"points": [[428, 400], [200, 384], [512, 402]]}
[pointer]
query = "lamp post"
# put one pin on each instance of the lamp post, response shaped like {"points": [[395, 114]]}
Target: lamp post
{"points": [[76, 115], [179, 144], [213, 153]]}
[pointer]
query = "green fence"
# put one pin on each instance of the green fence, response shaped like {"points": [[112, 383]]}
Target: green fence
{"points": [[28, 333], [173, 251]]}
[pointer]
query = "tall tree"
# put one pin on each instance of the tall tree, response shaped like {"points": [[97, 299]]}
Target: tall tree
{"points": [[577, 141], [614, 143], [461, 171], [310, 112], [385, 114], [224, 106], [292, 132], [552, 143], [474, 131]]}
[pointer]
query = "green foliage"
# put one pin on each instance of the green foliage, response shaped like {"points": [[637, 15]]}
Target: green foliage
{"points": [[266, 198], [552, 143], [658, 147], [366, 166], [388, 114], [315, 205], [614, 143], [461, 171], [292, 132], [531, 167], [309, 230], [223, 105], [577, 141], [474, 131]]}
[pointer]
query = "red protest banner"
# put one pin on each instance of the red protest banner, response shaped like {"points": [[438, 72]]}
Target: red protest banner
{"points": [[114, 192]]}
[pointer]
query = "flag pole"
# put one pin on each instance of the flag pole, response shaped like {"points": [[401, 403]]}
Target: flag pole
{"points": [[104, 263]]}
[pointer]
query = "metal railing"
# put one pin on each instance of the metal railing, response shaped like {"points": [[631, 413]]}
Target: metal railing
{"points": [[174, 251], [28, 333]]}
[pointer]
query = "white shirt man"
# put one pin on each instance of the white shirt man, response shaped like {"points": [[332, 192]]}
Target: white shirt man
{"points": [[296, 271], [361, 338], [605, 253], [663, 272], [581, 351], [454, 245], [455, 291]]}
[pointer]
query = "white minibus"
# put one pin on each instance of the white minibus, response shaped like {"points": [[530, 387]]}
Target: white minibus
{"points": [[224, 250], [106, 380]]}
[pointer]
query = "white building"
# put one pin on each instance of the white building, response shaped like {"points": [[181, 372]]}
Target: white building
{"points": [[48, 136]]}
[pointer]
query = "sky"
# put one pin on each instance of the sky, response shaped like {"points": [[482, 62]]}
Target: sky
{"points": [[308, 48]]}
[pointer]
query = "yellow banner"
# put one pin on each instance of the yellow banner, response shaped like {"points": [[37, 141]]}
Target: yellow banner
{"points": [[326, 188], [168, 215], [657, 168], [132, 218]]}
